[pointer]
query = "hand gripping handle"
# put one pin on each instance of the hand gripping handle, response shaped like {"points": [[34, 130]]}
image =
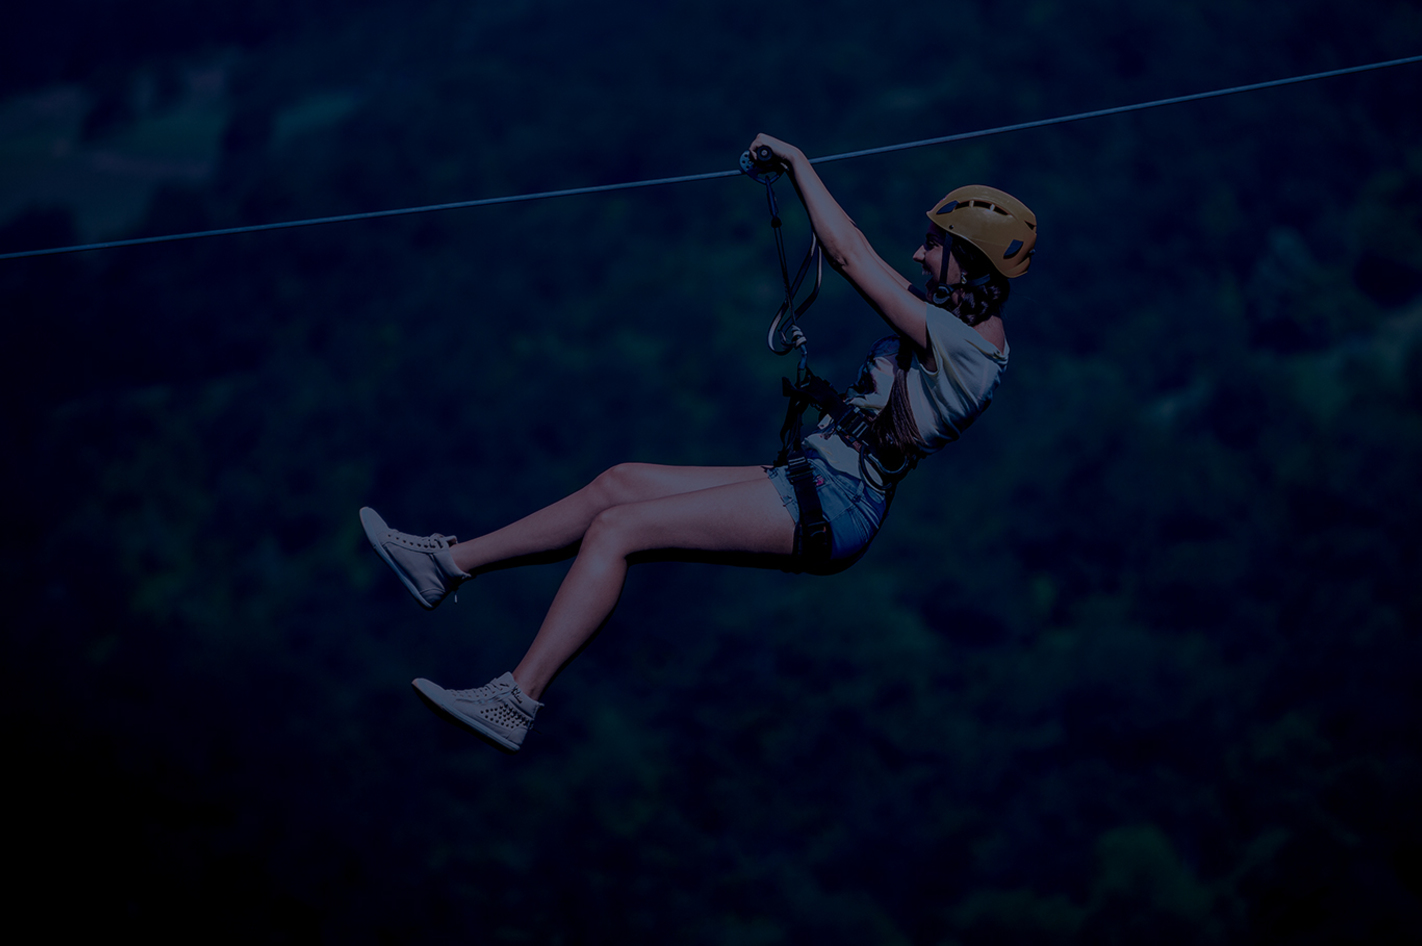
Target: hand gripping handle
{"points": [[760, 166]]}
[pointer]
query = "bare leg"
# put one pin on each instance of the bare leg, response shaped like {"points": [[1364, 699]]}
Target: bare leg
{"points": [[744, 516], [564, 522]]}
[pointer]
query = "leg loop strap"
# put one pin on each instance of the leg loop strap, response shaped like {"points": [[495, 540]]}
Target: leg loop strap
{"points": [[814, 540]]}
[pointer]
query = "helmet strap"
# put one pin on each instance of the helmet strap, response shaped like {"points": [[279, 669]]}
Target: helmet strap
{"points": [[942, 295]]}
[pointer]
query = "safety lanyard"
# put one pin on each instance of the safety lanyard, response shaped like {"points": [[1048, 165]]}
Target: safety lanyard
{"points": [[784, 335]]}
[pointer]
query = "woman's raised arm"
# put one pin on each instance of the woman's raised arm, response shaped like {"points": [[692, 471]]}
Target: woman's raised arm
{"points": [[848, 250]]}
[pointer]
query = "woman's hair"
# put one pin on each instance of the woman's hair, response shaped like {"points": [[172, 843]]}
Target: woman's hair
{"points": [[977, 304], [894, 427]]}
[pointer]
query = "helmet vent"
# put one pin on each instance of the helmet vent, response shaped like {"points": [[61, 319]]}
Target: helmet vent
{"points": [[993, 221], [981, 203]]}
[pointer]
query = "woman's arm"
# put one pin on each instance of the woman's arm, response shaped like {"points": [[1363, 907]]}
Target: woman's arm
{"points": [[847, 249]]}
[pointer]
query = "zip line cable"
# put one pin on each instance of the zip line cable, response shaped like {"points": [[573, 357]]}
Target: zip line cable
{"points": [[712, 175]]}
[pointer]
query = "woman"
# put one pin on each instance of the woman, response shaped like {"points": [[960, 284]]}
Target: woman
{"points": [[919, 389]]}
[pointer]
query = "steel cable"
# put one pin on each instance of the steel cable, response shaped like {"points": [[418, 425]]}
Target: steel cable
{"points": [[712, 175]]}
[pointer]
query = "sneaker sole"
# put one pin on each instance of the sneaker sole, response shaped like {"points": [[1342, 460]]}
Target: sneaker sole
{"points": [[374, 525], [435, 697]]}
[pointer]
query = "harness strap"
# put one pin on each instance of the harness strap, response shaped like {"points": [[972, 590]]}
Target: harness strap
{"points": [[814, 540], [850, 422], [854, 426], [790, 431]]}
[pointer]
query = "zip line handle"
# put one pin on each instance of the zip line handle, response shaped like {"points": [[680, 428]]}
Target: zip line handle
{"points": [[760, 167]]}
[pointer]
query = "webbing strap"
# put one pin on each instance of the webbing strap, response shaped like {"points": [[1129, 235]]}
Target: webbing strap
{"points": [[850, 422], [784, 335], [790, 431], [814, 539]]}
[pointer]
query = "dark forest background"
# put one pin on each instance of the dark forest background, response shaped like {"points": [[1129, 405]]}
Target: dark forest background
{"points": [[1136, 661]]}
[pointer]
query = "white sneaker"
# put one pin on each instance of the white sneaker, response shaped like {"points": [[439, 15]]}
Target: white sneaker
{"points": [[498, 712], [422, 562]]}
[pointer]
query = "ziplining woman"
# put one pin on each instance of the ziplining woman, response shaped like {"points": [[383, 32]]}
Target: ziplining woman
{"points": [[819, 508]]}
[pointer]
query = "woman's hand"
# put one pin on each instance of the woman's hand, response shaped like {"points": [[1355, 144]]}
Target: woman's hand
{"points": [[847, 250], [782, 152]]}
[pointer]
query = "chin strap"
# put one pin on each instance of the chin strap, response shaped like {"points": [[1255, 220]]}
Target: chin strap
{"points": [[942, 295]]}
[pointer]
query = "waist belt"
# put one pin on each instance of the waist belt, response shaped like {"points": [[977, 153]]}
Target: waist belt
{"points": [[814, 539], [889, 462]]}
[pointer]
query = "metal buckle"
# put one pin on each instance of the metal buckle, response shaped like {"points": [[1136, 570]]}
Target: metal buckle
{"points": [[854, 425]]}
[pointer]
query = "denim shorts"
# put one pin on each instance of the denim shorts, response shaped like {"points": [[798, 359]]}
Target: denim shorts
{"points": [[853, 508]]}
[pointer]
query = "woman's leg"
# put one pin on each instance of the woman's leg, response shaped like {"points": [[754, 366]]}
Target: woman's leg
{"points": [[743, 516], [564, 522]]}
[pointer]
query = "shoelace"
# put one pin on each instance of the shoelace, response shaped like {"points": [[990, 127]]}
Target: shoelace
{"points": [[486, 692], [435, 541]]}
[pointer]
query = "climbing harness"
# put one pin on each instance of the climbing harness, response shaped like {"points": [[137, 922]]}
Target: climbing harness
{"points": [[881, 464], [814, 538]]}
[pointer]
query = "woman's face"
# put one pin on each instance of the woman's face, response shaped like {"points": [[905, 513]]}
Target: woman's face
{"points": [[930, 257]]}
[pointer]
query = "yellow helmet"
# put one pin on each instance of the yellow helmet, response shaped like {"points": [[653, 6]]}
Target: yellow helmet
{"points": [[998, 224]]}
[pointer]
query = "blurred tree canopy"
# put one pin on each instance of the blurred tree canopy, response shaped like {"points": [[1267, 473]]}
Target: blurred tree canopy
{"points": [[1137, 660]]}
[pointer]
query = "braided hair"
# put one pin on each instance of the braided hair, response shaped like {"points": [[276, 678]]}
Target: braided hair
{"points": [[981, 294], [975, 304]]}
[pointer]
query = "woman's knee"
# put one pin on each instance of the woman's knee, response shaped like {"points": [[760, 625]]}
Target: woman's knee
{"points": [[613, 530], [623, 483]]}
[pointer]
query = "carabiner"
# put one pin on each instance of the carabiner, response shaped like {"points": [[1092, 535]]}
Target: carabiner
{"points": [[758, 166]]}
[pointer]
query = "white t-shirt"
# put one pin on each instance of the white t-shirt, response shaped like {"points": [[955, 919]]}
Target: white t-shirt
{"points": [[944, 402]]}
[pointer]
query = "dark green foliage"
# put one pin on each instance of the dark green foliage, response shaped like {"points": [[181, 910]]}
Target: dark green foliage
{"points": [[1136, 661]]}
